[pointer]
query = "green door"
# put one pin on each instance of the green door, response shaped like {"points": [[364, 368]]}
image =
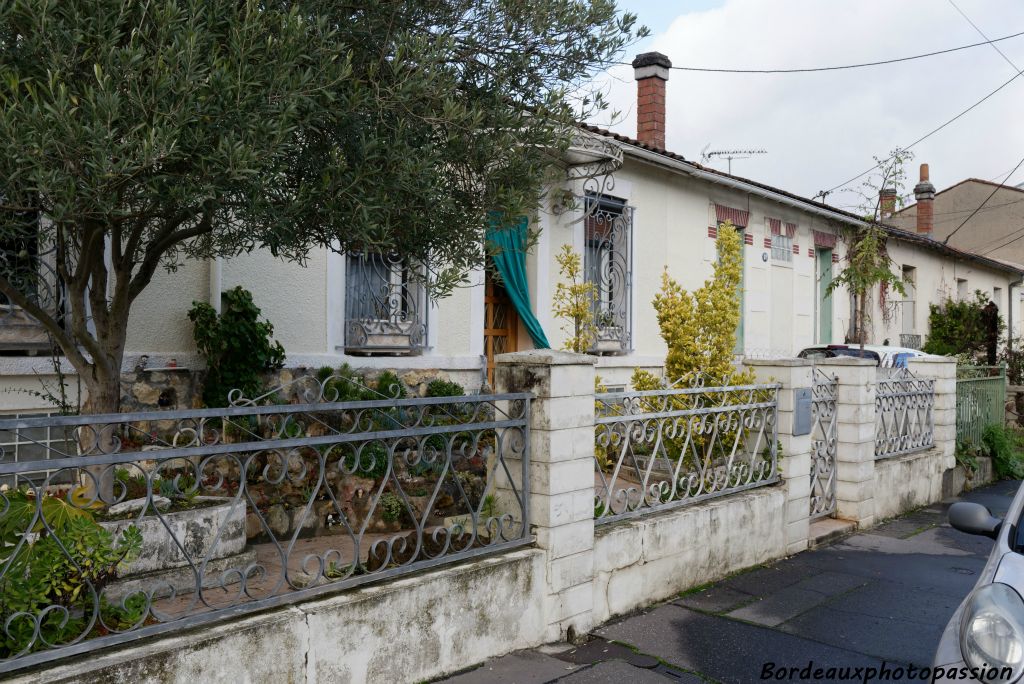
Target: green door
{"points": [[824, 297]]}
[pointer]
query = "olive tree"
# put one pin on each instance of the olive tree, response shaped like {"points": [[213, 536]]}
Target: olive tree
{"points": [[148, 132]]}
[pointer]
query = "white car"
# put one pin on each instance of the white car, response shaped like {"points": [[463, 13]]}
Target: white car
{"points": [[886, 356], [984, 640]]}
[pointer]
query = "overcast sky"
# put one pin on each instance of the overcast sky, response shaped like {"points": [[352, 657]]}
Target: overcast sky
{"points": [[820, 129]]}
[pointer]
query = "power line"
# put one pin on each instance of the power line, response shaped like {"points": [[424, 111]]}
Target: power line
{"points": [[982, 33], [926, 135], [990, 196], [861, 65]]}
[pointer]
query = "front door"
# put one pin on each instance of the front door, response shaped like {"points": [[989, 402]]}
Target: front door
{"points": [[824, 296], [501, 324]]}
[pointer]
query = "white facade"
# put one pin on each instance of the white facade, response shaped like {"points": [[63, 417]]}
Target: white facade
{"points": [[674, 205]]}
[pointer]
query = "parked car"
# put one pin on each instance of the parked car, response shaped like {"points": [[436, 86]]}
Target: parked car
{"points": [[883, 355], [987, 630]]}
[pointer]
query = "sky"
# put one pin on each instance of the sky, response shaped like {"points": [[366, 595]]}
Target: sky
{"points": [[820, 129]]}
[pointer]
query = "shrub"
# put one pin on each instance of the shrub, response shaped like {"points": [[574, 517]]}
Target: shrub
{"points": [[391, 507], [391, 386], [959, 328], [237, 346], [573, 302], [1006, 447], [444, 388], [67, 565]]}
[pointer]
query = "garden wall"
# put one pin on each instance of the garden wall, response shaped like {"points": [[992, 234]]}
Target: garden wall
{"points": [[903, 483], [643, 560], [412, 629]]}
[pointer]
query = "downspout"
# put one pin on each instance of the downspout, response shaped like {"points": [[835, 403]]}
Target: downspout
{"points": [[1009, 317], [216, 278]]}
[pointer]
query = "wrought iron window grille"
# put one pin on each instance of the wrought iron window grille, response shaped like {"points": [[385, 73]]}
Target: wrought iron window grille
{"points": [[607, 263], [28, 262], [385, 305]]}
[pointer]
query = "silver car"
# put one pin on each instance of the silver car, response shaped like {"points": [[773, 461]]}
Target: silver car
{"points": [[984, 640]]}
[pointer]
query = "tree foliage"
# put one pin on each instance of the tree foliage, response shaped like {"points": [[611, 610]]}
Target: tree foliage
{"points": [[152, 132], [959, 328], [699, 328], [573, 302], [867, 266]]}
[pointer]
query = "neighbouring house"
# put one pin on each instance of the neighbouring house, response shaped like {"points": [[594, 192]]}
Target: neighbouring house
{"points": [[976, 216], [630, 207]]}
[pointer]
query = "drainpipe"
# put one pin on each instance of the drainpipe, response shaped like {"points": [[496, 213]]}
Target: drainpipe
{"points": [[1009, 316], [216, 278]]}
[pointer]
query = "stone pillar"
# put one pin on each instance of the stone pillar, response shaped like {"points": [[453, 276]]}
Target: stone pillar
{"points": [[795, 464], [943, 371], [561, 476], [855, 431]]}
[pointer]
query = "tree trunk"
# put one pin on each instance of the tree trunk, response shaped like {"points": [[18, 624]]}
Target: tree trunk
{"points": [[99, 438]]}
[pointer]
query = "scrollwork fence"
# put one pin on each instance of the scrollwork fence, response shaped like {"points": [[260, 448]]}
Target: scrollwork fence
{"points": [[824, 443], [138, 524], [903, 413], [659, 449]]}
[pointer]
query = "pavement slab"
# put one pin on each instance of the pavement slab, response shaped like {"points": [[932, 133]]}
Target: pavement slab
{"points": [[722, 649], [521, 667], [715, 599], [618, 672]]}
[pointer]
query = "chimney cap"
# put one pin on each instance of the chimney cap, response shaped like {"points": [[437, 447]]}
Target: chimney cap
{"points": [[652, 59]]}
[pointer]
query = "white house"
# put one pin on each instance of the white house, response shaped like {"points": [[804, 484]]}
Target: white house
{"points": [[635, 210]]}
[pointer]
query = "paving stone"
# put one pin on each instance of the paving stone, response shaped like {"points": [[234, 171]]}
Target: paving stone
{"points": [[832, 583], [779, 607], [597, 650], [618, 672], [521, 667], [770, 578], [716, 599], [893, 601], [889, 639], [723, 649]]}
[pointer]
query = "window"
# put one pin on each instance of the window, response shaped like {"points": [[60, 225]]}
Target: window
{"points": [[997, 297], [961, 289], [782, 248], [607, 264], [385, 305], [27, 262]]}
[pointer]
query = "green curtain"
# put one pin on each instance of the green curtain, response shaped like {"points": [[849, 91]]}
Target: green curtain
{"points": [[508, 253]]}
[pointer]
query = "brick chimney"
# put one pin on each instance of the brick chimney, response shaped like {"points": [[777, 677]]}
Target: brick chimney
{"points": [[924, 193], [886, 202], [651, 72]]}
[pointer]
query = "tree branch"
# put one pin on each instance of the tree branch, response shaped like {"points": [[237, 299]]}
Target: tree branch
{"points": [[66, 342]]}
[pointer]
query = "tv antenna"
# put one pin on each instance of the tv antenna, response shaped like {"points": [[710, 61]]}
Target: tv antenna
{"points": [[729, 155]]}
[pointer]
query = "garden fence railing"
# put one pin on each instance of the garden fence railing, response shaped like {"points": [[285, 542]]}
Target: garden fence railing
{"points": [[123, 526]]}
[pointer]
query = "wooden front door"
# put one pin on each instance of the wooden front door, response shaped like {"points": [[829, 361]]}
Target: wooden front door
{"points": [[501, 324]]}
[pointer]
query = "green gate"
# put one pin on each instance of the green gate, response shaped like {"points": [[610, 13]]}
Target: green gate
{"points": [[980, 401]]}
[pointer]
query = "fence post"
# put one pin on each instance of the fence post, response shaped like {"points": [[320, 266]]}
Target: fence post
{"points": [[855, 452], [561, 476], [795, 460], [943, 371]]}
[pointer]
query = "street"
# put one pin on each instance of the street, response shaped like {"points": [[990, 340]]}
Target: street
{"points": [[880, 596]]}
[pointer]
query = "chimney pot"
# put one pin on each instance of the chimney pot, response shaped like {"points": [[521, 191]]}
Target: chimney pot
{"points": [[651, 70], [924, 193]]}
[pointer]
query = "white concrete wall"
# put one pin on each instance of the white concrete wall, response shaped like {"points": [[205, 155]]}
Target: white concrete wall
{"points": [[407, 630], [641, 561], [903, 483]]}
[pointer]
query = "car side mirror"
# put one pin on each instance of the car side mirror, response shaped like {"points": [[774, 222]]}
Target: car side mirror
{"points": [[973, 518]]}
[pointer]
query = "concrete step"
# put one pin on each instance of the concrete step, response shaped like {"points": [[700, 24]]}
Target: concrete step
{"points": [[827, 530]]}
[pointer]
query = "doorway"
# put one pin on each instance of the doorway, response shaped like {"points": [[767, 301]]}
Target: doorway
{"points": [[824, 296], [501, 323]]}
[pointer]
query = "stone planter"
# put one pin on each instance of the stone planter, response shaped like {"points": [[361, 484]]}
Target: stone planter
{"points": [[214, 535]]}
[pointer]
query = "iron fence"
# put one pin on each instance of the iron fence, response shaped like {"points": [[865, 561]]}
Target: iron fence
{"points": [[823, 445], [139, 524], [659, 449], [980, 402], [904, 422]]}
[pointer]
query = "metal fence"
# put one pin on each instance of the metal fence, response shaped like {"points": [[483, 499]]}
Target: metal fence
{"points": [[903, 413], [980, 401], [659, 449], [823, 445], [145, 523]]}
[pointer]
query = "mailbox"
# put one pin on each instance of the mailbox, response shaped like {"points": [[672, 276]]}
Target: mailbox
{"points": [[802, 411]]}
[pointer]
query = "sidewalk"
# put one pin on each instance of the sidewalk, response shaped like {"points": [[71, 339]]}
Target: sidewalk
{"points": [[883, 595]]}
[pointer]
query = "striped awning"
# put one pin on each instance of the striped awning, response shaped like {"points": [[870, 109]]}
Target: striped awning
{"points": [[737, 217], [775, 225], [790, 230], [827, 240]]}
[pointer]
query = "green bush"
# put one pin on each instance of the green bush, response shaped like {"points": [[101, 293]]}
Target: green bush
{"points": [[1006, 447], [391, 386], [237, 346], [444, 388], [391, 507], [62, 566], [958, 328]]}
